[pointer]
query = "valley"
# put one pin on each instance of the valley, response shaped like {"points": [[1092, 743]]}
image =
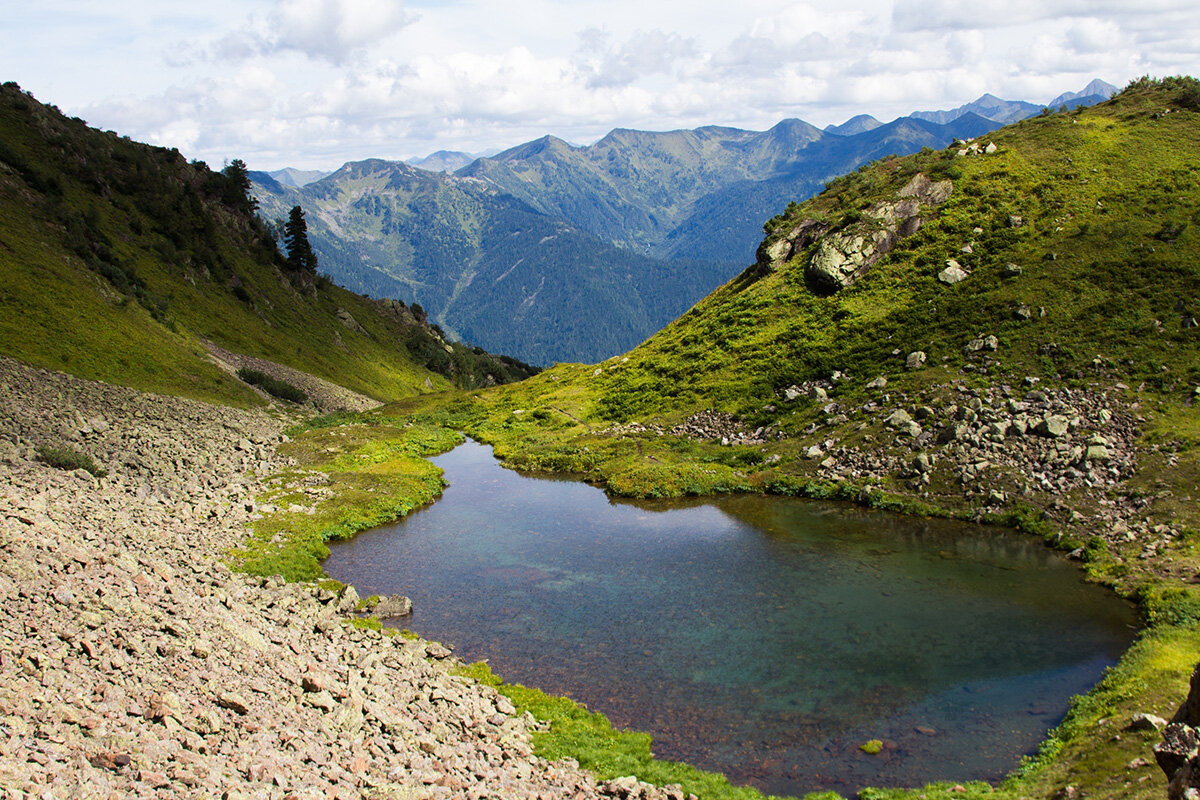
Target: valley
{"points": [[553, 252]]}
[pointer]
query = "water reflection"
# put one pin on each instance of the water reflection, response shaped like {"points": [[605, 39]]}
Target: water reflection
{"points": [[762, 637]]}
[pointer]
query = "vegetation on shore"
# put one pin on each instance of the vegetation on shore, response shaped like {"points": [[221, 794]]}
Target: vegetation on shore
{"points": [[351, 473]]}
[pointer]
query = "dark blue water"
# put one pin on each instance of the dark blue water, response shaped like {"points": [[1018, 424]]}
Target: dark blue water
{"points": [[762, 637]]}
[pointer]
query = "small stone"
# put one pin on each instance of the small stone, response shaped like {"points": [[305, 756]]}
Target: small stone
{"points": [[1146, 722], [156, 780], [395, 605], [234, 702], [952, 274], [915, 360], [109, 760], [1053, 427], [322, 700]]}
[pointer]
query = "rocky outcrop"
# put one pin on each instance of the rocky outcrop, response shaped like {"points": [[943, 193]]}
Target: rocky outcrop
{"points": [[134, 664], [1179, 753], [843, 256]]}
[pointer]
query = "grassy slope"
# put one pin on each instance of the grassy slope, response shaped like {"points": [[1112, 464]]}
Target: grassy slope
{"points": [[115, 257], [1109, 248]]}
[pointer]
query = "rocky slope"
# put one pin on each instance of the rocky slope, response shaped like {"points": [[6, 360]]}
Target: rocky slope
{"points": [[133, 663]]}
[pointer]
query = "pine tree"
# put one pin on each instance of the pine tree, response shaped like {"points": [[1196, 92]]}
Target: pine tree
{"points": [[300, 256]]}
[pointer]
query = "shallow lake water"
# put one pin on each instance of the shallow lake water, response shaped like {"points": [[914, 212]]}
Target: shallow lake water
{"points": [[765, 638]]}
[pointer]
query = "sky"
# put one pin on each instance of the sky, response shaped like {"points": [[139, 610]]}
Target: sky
{"points": [[315, 83]]}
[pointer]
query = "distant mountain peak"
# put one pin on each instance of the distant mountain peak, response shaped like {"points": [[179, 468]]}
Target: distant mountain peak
{"points": [[290, 176], [987, 106], [443, 161], [1096, 91], [856, 124]]}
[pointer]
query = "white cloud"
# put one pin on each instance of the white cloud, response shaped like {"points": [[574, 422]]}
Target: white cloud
{"points": [[1095, 35], [317, 82], [333, 29], [328, 30], [643, 54]]}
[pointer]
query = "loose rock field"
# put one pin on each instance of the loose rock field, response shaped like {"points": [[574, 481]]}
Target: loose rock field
{"points": [[133, 663]]}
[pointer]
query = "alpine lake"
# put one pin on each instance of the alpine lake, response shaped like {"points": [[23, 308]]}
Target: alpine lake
{"points": [[766, 638]]}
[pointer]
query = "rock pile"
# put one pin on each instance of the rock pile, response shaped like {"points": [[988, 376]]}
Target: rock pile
{"points": [[133, 663], [1046, 441], [1179, 753]]}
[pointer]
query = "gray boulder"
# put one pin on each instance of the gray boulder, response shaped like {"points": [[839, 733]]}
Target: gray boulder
{"points": [[393, 605]]}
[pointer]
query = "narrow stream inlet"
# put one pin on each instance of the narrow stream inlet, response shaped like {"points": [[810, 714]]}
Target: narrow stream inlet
{"points": [[765, 638]]}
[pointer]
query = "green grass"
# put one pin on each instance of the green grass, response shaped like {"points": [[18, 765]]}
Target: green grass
{"points": [[348, 478]]}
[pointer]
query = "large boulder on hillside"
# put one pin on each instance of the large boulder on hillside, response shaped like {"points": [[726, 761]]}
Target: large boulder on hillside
{"points": [[842, 257]]}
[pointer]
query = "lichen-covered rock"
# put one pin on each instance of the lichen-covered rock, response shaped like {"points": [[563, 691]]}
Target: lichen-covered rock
{"points": [[842, 258]]}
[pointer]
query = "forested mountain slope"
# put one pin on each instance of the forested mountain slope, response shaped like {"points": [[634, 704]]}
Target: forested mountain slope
{"points": [[120, 260]]}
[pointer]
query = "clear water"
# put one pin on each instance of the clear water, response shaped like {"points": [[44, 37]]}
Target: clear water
{"points": [[765, 638]]}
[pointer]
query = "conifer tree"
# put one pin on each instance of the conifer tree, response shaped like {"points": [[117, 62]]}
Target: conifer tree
{"points": [[300, 256]]}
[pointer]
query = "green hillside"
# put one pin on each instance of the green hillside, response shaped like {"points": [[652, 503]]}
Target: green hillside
{"points": [[117, 259], [1047, 379]]}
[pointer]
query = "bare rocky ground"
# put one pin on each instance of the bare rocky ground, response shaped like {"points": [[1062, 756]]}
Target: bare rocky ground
{"points": [[133, 663]]}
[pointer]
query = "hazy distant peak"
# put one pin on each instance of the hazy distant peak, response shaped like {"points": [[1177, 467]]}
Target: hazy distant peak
{"points": [[988, 106], [443, 161], [1096, 91], [857, 124], [290, 176]]}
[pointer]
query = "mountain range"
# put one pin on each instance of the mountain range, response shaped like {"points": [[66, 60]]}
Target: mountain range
{"points": [[557, 252]]}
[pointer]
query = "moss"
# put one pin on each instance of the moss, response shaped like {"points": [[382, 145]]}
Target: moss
{"points": [[371, 474], [365, 623], [872, 747]]}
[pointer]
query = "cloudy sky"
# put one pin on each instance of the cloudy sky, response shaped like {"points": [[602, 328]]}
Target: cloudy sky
{"points": [[314, 83]]}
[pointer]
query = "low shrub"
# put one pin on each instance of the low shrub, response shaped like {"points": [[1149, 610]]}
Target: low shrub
{"points": [[69, 459], [272, 386]]}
